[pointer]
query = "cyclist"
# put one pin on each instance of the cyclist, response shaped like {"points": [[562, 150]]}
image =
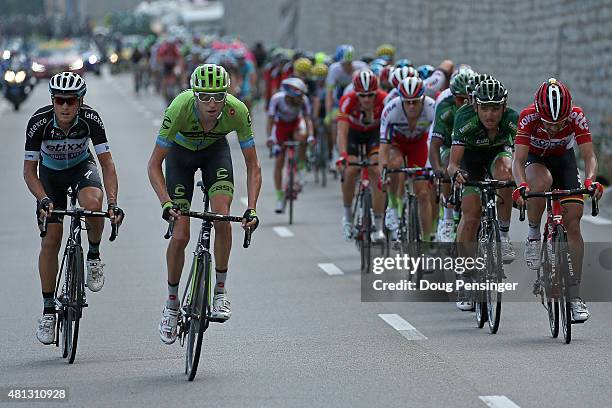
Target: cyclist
{"points": [[57, 138], [439, 79], [358, 124], [425, 71], [193, 135], [441, 130], [289, 118], [396, 77], [544, 159], [386, 51], [403, 139], [246, 71], [483, 136], [169, 57]]}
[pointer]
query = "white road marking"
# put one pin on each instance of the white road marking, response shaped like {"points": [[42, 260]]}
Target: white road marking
{"points": [[498, 401], [283, 232], [596, 220], [402, 326], [331, 269], [245, 201]]}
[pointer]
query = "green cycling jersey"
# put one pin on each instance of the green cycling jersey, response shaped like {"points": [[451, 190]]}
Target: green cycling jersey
{"points": [[469, 131], [181, 124], [444, 120]]}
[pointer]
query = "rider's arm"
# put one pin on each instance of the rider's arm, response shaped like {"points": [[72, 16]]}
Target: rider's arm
{"points": [[30, 175], [434, 153], [109, 175], [253, 176], [521, 152], [329, 100], [343, 129], [456, 155], [156, 176], [590, 160]]}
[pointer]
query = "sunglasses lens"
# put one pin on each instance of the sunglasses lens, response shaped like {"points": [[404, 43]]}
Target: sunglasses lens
{"points": [[61, 101], [207, 97]]}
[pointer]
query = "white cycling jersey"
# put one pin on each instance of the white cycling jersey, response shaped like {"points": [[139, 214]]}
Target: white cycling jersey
{"points": [[394, 122], [282, 111], [392, 94], [338, 79], [435, 83]]}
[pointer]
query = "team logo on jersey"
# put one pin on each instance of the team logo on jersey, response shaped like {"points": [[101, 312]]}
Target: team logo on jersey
{"points": [[166, 123], [232, 112], [249, 118]]}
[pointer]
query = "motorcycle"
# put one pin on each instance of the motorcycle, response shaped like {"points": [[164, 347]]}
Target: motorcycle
{"points": [[17, 83]]}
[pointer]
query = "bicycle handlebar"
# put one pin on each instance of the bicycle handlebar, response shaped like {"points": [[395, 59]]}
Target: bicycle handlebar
{"points": [[558, 194], [212, 217], [80, 212], [488, 183]]}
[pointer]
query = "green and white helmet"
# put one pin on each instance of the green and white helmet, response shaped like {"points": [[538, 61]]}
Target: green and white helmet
{"points": [[459, 81], [210, 78], [490, 91], [475, 81]]}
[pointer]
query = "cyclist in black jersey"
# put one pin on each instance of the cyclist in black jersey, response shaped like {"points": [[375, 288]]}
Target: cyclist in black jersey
{"points": [[57, 138]]}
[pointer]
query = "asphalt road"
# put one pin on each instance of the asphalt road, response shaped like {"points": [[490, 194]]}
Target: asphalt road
{"points": [[299, 336]]}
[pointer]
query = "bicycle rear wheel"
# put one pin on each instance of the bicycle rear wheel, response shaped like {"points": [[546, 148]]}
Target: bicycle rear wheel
{"points": [[290, 192], [549, 300], [199, 310], [414, 233], [494, 274], [562, 257]]}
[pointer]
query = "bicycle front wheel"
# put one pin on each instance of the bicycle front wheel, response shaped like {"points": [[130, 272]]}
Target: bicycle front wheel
{"points": [[494, 274], [366, 228], [562, 256], [199, 309], [549, 299], [74, 303], [290, 191]]}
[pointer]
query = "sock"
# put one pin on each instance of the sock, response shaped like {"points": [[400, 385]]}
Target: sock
{"points": [[448, 213], [94, 250], [280, 195], [504, 228], [48, 302], [534, 232], [173, 302], [392, 200], [301, 165], [221, 275], [378, 221], [347, 212]]}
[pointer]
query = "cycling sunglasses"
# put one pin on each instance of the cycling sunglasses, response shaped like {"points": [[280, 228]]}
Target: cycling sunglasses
{"points": [[366, 94], [412, 101], [217, 97], [60, 101], [554, 126]]}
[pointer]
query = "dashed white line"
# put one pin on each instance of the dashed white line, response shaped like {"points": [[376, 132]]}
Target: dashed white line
{"points": [[402, 326], [498, 401], [596, 220], [283, 232], [331, 269]]}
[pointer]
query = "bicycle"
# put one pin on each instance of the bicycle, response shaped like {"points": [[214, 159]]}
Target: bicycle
{"points": [[488, 301], [292, 185], [409, 233], [71, 300], [195, 312], [363, 213], [556, 274], [319, 157]]}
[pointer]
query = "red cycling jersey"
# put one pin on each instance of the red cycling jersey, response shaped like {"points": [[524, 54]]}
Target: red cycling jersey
{"points": [[350, 111], [168, 52], [531, 133]]}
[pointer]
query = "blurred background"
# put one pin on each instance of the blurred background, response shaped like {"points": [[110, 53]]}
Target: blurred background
{"points": [[522, 42]]}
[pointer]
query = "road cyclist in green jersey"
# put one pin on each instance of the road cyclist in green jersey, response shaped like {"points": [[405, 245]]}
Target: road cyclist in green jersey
{"points": [[482, 145], [193, 136], [440, 132]]}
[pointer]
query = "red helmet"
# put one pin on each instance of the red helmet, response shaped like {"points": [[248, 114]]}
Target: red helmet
{"points": [[411, 88], [398, 74], [365, 81], [385, 73], [553, 101]]}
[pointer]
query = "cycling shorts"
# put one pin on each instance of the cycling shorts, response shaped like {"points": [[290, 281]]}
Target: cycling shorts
{"points": [[479, 164], [356, 138], [564, 171], [285, 131], [414, 153]]}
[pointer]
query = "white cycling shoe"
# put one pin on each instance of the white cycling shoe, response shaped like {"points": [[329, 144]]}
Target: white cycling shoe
{"points": [[532, 254], [221, 307], [507, 250], [95, 274], [279, 208], [580, 313], [347, 229], [377, 236], [446, 231], [391, 219], [168, 325], [45, 332]]}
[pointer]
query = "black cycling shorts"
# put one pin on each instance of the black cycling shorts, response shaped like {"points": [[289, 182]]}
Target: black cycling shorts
{"points": [[370, 139], [215, 162], [168, 68], [56, 183], [479, 164], [563, 169]]}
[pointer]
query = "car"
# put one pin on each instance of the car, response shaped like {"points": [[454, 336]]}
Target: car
{"points": [[57, 56]]}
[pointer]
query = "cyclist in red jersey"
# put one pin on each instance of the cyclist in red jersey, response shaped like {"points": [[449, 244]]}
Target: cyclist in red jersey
{"points": [[544, 159], [358, 124], [168, 57]]}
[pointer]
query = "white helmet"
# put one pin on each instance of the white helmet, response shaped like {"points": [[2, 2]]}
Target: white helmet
{"points": [[294, 86], [399, 74], [67, 83]]}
